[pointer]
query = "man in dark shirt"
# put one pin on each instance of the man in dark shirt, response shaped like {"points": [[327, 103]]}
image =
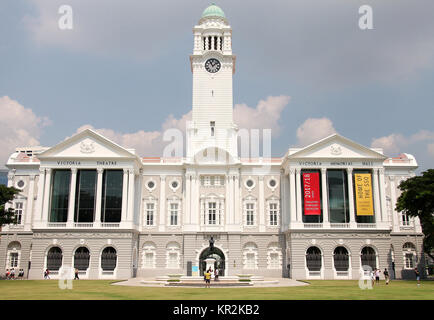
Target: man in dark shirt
{"points": [[416, 272]]}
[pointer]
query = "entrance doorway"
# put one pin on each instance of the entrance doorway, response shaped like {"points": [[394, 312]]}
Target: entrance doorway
{"points": [[217, 255]]}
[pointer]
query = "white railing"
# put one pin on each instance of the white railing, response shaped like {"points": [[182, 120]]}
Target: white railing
{"points": [[366, 226], [16, 226], [313, 225], [83, 224], [110, 225], [340, 225], [56, 224]]}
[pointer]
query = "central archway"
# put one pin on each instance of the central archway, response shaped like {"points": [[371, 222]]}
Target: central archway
{"points": [[219, 257]]}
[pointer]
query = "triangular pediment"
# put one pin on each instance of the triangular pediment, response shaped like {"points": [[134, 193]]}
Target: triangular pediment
{"points": [[337, 147], [87, 144]]}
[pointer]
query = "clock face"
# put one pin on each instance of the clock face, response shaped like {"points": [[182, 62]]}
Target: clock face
{"points": [[212, 65]]}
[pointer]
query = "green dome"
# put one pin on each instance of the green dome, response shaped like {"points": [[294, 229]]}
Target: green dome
{"points": [[213, 11]]}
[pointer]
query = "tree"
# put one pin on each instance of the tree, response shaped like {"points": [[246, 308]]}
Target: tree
{"points": [[6, 195], [417, 200]]}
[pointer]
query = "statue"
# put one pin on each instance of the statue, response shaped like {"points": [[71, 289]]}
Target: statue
{"points": [[211, 244]]}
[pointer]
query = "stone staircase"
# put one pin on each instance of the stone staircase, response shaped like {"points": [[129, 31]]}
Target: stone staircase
{"points": [[198, 281]]}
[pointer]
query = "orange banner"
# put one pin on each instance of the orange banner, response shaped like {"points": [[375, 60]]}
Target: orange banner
{"points": [[364, 202]]}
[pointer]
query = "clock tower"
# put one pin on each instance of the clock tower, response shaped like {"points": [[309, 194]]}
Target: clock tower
{"points": [[212, 65]]}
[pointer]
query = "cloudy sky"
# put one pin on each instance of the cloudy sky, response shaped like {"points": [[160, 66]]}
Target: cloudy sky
{"points": [[304, 68]]}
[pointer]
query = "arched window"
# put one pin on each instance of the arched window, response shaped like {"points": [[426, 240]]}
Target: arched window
{"points": [[108, 259], [54, 259], [369, 257], [409, 252], [148, 256], [274, 256], [173, 255], [250, 255], [81, 259], [313, 259], [13, 256], [341, 259]]}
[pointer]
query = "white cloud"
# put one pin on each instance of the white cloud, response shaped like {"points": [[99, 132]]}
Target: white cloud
{"points": [[266, 115], [314, 129], [396, 142], [19, 127]]}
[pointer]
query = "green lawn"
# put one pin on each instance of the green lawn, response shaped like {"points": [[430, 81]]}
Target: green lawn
{"points": [[101, 289]]}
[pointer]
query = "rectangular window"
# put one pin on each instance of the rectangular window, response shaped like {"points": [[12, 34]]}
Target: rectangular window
{"points": [[61, 182], [14, 260], [150, 214], [18, 212], [339, 211], [409, 261], [111, 207], [173, 214], [250, 214], [212, 212], [250, 261], [405, 220], [274, 260], [85, 196], [273, 214], [149, 260], [173, 260]]}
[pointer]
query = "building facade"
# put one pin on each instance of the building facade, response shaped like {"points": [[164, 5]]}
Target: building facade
{"points": [[318, 212]]}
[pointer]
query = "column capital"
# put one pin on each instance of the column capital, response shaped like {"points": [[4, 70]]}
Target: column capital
{"points": [[11, 176], [163, 178], [298, 170], [41, 170], [261, 178], [32, 177], [292, 171], [74, 170], [323, 170], [100, 170], [349, 170], [48, 170], [381, 170], [375, 170]]}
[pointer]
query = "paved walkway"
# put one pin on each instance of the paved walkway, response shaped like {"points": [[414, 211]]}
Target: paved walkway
{"points": [[268, 282]]}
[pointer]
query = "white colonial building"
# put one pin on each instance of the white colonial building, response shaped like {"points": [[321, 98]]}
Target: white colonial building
{"points": [[321, 211]]}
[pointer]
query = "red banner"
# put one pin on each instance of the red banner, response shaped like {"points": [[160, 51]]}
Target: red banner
{"points": [[312, 199]]}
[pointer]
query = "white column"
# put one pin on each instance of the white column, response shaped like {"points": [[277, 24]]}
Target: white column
{"points": [[227, 202], [238, 214], [395, 215], [292, 196], [376, 197], [47, 195], [71, 204], [261, 204], [325, 202], [353, 222], [31, 195], [162, 206], [188, 198], [124, 196], [196, 199], [131, 187], [383, 197], [40, 196], [299, 192], [232, 198], [98, 197]]}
